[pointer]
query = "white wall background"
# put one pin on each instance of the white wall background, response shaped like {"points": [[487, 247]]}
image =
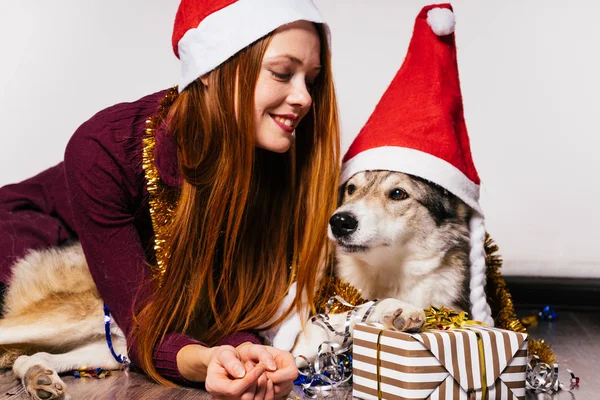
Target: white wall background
{"points": [[529, 73]]}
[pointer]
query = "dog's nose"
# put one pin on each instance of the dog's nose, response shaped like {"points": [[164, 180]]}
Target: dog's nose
{"points": [[343, 224]]}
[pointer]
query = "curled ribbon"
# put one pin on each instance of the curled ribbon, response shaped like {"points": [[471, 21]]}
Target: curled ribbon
{"points": [[542, 378], [333, 365], [121, 359], [351, 316]]}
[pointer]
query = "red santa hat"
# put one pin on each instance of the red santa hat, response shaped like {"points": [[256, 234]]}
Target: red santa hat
{"points": [[418, 128], [208, 32]]}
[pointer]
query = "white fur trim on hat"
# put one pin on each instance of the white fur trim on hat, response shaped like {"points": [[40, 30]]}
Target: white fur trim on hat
{"points": [[480, 309], [415, 162], [227, 31], [441, 20]]}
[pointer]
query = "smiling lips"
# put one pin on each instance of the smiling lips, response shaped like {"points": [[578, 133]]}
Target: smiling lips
{"points": [[285, 122]]}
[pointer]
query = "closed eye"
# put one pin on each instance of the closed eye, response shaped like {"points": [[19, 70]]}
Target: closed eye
{"points": [[281, 76]]}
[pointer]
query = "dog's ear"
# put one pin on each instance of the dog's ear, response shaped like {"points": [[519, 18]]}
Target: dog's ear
{"points": [[341, 191]]}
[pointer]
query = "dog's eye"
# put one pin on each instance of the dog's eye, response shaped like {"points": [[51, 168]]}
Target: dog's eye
{"points": [[398, 194], [350, 189]]}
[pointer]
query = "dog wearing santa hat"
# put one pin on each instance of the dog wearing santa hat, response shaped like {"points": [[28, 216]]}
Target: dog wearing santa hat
{"points": [[409, 228], [400, 236]]}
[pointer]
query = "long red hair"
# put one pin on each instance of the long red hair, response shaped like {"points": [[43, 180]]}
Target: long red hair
{"points": [[248, 221]]}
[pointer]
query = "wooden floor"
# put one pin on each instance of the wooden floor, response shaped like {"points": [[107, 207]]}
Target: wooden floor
{"points": [[575, 338]]}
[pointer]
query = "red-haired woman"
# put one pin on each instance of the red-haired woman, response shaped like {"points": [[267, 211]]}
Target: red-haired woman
{"points": [[198, 207]]}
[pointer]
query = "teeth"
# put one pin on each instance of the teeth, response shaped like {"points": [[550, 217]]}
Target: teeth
{"points": [[284, 121]]}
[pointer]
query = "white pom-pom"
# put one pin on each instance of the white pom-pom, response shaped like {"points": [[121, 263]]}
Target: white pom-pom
{"points": [[441, 20]]}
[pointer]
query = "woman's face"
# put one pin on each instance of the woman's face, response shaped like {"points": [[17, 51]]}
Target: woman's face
{"points": [[283, 89]]}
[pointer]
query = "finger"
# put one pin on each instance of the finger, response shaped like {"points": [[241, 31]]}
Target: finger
{"points": [[240, 386], [232, 364], [249, 394], [261, 387], [287, 369], [260, 353], [270, 393], [249, 365], [286, 373]]}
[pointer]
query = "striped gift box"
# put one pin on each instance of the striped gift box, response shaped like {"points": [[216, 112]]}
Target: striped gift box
{"points": [[474, 362]]}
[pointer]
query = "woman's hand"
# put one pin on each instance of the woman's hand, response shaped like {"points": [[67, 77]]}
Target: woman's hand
{"points": [[263, 389], [281, 368], [227, 377], [249, 371]]}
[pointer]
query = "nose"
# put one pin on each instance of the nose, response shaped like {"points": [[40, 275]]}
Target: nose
{"points": [[343, 224], [300, 95]]}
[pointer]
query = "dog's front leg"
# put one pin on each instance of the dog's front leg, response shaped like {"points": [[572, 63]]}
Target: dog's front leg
{"points": [[397, 315], [391, 313], [308, 341], [39, 372]]}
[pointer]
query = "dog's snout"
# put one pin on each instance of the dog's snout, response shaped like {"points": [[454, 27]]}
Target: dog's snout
{"points": [[343, 224]]}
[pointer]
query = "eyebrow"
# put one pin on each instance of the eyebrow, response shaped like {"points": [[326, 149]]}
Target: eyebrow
{"points": [[293, 59]]}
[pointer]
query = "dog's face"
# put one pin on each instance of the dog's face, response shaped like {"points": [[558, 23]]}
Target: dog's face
{"points": [[388, 209]]}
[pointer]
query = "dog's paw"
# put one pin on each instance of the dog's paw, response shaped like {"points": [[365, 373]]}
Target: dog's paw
{"points": [[405, 320], [399, 315], [44, 384]]}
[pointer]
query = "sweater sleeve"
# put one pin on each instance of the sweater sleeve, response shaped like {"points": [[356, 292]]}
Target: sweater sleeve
{"points": [[105, 184], [101, 192]]}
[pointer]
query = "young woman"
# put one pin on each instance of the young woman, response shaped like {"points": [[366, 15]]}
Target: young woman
{"points": [[198, 207]]}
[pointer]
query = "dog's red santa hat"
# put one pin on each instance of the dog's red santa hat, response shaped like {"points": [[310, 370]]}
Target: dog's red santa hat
{"points": [[208, 32], [418, 128]]}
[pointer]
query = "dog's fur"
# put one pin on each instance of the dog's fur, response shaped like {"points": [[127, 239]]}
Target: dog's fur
{"points": [[53, 322], [415, 248], [402, 239], [412, 252]]}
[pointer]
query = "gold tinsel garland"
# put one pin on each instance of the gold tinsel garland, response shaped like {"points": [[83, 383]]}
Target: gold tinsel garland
{"points": [[502, 305], [333, 286], [499, 299], [162, 198]]}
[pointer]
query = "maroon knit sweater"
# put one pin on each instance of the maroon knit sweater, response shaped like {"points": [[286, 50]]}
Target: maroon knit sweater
{"points": [[106, 207]]}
